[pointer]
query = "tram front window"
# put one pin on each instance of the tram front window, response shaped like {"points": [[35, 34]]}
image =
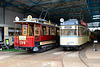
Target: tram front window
{"points": [[69, 32], [82, 31], [24, 29], [31, 30]]}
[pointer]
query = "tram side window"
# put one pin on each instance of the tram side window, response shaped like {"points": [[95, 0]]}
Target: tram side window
{"points": [[82, 31], [24, 29], [37, 30], [63, 32], [53, 31], [31, 30], [44, 30]]}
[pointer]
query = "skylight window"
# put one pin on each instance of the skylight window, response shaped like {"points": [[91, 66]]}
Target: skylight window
{"points": [[96, 16]]}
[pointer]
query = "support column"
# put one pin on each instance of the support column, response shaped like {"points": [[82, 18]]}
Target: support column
{"points": [[5, 33], [3, 15]]}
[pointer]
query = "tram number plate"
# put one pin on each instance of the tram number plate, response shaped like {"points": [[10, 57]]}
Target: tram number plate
{"points": [[67, 27], [22, 37]]}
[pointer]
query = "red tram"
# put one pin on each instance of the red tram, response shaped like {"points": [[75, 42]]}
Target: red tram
{"points": [[36, 35]]}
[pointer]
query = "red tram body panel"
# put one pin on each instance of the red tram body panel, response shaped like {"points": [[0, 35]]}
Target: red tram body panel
{"points": [[28, 42]]}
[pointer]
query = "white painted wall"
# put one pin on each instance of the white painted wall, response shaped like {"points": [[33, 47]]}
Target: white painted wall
{"points": [[10, 14], [1, 16], [10, 17]]}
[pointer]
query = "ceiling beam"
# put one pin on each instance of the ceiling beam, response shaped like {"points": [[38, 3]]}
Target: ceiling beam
{"points": [[98, 2], [89, 6], [75, 9], [63, 14], [42, 3], [8, 3], [68, 9], [5, 4]]}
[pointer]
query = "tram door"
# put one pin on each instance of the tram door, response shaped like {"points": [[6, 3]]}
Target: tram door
{"points": [[1, 34]]}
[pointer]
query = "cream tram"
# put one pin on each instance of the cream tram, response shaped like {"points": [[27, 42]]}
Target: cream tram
{"points": [[73, 35]]}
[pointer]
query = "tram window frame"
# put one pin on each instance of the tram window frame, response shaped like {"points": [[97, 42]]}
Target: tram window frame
{"points": [[48, 30], [23, 30], [52, 31], [31, 30], [42, 30], [82, 31], [87, 33], [37, 30]]}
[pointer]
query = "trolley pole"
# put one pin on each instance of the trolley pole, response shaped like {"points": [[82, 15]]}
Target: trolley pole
{"points": [[94, 45]]}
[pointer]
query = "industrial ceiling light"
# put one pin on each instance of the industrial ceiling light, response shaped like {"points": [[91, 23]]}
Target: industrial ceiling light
{"points": [[17, 18], [61, 19]]}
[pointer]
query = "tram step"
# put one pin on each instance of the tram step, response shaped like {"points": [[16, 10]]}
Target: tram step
{"points": [[4, 47], [46, 46]]}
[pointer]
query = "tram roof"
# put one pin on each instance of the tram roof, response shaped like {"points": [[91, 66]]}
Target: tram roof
{"points": [[39, 19], [70, 22], [33, 22]]}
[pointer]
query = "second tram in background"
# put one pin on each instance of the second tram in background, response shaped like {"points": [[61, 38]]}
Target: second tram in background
{"points": [[73, 34], [37, 35]]}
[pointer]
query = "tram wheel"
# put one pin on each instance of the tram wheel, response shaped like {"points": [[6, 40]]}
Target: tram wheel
{"points": [[67, 48], [53, 47], [41, 49], [63, 48], [30, 50], [79, 48]]}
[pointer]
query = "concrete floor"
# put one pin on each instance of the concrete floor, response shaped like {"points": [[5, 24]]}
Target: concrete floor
{"points": [[52, 58]]}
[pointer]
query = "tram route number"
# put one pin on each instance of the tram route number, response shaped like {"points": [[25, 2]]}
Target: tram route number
{"points": [[22, 37], [67, 27], [69, 42]]}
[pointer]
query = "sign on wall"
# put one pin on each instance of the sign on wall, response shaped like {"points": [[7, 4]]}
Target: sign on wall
{"points": [[83, 23]]}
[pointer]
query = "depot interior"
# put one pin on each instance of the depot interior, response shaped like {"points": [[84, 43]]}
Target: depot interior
{"points": [[53, 10]]}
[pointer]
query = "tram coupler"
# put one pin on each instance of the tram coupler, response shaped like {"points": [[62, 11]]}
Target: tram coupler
{"points": [[94, 45]]}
